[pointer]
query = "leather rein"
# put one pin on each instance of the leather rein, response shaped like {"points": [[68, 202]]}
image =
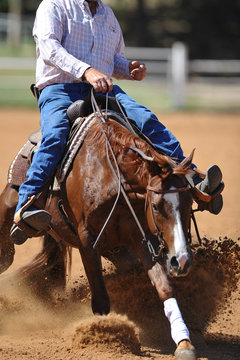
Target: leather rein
{"points": [[116, 171]]}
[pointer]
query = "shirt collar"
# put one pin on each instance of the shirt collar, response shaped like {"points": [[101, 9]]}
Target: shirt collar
{"points": [[100, 7], [83, 1]]}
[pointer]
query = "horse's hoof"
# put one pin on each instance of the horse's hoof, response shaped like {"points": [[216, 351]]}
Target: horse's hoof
{"points": [[101, 306], [186, 354]]}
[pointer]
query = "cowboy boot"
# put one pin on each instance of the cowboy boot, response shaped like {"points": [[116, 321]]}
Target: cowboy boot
{"points": [[29, 222], [212, 185]]}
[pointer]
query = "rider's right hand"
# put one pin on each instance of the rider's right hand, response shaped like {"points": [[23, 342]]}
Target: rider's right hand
{"points": [[98, 80]]}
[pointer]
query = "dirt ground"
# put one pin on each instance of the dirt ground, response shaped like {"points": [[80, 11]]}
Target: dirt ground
{"points": [[136, 328]]}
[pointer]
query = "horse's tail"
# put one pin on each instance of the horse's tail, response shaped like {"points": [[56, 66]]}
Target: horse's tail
{"points": [[48, 270]]}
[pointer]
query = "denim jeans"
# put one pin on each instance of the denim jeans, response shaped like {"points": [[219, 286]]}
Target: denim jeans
{"points": [[53, 103]]}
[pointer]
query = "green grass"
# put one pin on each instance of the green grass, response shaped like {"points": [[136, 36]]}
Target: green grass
{"points": [[15, 92], [152, 94], [16, 98], [15, 88], [26, 49]]}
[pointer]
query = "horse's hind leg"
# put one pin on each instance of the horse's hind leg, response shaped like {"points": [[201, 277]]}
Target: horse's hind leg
{"points": [[8, 203], [47, 271], [93, 268]]}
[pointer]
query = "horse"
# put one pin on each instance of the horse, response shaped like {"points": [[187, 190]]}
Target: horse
{"points": [[119, 193]]}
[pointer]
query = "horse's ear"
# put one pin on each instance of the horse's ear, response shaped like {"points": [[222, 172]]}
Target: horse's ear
{"points": [[187, 162]]}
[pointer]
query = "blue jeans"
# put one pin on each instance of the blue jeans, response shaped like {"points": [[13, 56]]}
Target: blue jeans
{"points": [[53, 103]]}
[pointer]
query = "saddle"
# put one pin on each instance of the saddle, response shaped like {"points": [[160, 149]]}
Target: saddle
{"points": [[81, 117]]}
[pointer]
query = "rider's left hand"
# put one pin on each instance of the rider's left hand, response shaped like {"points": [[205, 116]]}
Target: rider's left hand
{"points": [[137, 70]]}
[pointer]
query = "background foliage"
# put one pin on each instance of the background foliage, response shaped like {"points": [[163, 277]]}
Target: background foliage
{"points": [[210, 28]]}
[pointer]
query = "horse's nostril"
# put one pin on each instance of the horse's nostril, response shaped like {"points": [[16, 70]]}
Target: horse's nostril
{"points": [[179, 266], [174, 262]]}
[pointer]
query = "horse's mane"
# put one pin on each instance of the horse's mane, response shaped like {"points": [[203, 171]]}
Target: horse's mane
{"points": [[122, 139]]}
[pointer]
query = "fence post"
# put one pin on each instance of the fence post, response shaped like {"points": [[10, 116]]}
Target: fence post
{"points": [[178, 74]]}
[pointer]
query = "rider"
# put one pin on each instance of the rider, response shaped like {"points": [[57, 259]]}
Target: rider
{"points": [[79, 44]]}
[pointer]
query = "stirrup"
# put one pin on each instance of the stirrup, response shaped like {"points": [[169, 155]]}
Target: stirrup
{"points": [[214, 206], [17, 235], [210, 202], [29, 223]]}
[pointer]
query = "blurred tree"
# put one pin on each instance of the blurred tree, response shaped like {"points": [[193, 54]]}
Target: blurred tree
{"points": [[14, 22], [30, 6], [141, 26], [214, 27], [3, 5], [210, 28]]}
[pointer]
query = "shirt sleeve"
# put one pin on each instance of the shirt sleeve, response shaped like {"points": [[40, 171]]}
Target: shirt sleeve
{"points": [[121, 64], [48, 32]]}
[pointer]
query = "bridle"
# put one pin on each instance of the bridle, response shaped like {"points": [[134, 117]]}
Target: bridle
{"points": [[158, 190], [159, 234]]}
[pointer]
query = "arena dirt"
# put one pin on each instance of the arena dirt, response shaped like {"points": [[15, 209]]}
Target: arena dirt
{"points": [[64, 328]]}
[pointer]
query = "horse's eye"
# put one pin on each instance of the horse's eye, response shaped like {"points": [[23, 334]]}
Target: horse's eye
{"points": [[154, 206]]}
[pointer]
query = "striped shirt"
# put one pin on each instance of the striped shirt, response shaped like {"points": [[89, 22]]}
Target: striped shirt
{"points": [[69, 40]]}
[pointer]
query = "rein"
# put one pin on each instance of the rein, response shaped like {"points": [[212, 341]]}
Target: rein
{"points": [[102, 123], [170, 191], [162, 243]]}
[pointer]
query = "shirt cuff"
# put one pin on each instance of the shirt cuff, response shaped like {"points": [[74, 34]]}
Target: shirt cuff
{"points": [[121, 68], [81, 70]]}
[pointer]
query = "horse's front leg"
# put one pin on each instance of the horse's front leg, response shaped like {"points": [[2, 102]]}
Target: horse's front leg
{"points": [[179, 330], [93, 268]]}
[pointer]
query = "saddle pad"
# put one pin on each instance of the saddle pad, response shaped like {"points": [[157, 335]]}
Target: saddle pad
{"points": [[80, 129], [84, 125]]}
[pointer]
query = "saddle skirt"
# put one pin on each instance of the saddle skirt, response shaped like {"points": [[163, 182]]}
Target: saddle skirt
{"points": [[21, 163]]}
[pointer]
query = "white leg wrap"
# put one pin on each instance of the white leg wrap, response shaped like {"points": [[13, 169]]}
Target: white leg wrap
{"points": [[179, 330]]}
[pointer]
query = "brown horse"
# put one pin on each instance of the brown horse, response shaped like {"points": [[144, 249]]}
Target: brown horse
{"points": [[150, 203]]}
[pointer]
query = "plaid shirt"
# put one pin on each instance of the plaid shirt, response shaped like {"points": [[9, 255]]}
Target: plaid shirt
{"points": [[69, 40]]}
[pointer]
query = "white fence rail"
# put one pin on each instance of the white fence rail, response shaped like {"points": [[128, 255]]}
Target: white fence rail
{"points": [[218, 67], [170, 63], [12, 63]]}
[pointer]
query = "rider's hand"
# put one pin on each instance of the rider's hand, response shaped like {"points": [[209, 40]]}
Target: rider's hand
{"points": [[98, 80], [137, 70]]}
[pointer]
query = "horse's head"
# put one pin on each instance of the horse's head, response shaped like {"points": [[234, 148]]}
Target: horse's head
{"points": [[163, 184], [169, 204]]}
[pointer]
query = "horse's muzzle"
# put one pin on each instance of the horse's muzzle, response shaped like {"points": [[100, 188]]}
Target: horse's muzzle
{"points": [[179, 265]]}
